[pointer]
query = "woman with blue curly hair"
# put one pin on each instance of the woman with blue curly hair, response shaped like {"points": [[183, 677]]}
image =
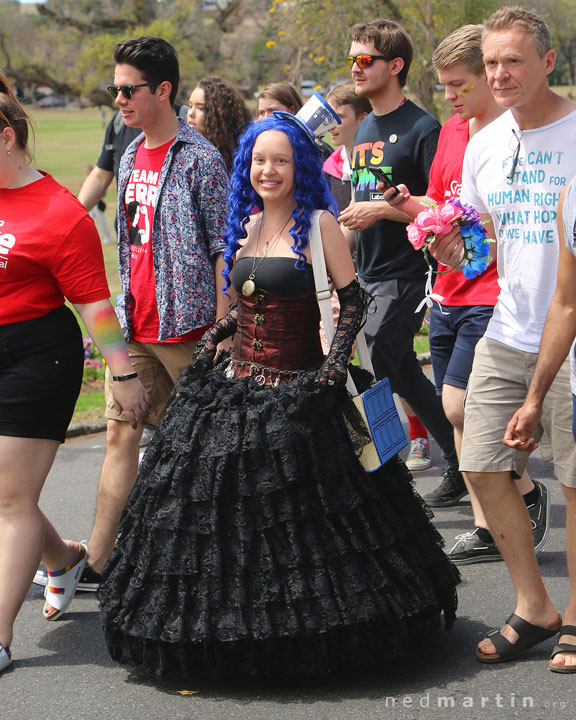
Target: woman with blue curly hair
{"points": [[254, 542]]}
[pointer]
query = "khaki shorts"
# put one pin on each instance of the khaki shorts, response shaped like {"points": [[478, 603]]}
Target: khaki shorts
{"points": [[158, 365], [496, 389]]}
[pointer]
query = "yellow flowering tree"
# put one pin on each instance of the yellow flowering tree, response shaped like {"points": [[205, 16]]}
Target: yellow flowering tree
{"points": [[312, 38]]}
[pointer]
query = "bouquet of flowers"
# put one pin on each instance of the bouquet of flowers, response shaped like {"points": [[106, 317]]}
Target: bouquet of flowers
{"points": [[439, 220]]}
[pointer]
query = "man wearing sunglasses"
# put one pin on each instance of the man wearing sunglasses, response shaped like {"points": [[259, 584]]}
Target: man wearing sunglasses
{"points": [[117, 137], [514, 172], [399, 138], [172, 207]]}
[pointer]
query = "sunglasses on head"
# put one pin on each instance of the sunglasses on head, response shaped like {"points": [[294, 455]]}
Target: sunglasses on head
{"points": [[516, 155], [126, 90], [364, 61]]}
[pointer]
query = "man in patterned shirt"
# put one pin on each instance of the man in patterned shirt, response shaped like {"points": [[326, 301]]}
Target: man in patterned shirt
{"points": [[172, 206]]}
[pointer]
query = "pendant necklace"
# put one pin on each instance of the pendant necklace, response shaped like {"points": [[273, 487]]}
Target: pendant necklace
{"points": [[249, 286]]}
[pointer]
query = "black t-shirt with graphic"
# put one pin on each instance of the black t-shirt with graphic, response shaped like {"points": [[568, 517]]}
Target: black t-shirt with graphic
{"points": [[403, 144]]}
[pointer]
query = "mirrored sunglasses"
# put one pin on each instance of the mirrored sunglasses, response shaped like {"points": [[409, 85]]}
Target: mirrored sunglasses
{"points": [[364, 61]]}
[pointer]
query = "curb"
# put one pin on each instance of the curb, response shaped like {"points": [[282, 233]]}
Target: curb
{"points": [[89, 427]]}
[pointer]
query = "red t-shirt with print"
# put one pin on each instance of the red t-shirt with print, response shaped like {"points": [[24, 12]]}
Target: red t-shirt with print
{"points": [[445, 182], [140, 201], [49, 250]]}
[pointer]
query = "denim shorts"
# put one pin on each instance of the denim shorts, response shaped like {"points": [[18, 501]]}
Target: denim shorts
{"points": [[453, 337]]}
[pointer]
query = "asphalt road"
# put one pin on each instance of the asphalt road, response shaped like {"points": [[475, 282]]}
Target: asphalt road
{"points": [[61, 669]]}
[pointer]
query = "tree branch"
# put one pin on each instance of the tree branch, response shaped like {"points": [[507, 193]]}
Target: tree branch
{"points": [[93, 27]]}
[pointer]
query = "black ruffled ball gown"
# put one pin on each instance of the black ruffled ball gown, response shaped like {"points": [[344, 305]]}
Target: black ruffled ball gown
{"points": [[253, 541]]}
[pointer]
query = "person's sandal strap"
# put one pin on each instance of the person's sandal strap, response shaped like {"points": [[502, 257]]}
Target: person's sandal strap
{"points": [[529, 635], [567, 630], [564, 647], [61, 585]]}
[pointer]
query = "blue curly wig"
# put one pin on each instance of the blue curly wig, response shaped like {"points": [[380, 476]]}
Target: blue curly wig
{"points": [[311, 193]]}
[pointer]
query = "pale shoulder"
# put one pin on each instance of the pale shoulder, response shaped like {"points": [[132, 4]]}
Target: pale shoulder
{"points": [[328, 221]]}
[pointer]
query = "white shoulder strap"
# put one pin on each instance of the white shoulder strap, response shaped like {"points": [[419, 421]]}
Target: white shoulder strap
{"points": [[323, 294]]}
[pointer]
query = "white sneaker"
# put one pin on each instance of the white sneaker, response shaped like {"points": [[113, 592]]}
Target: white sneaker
{"points": [[419, 455]]}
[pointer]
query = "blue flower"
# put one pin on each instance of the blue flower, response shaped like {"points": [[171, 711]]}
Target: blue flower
{"points": [[475, 233], [473, 267]]}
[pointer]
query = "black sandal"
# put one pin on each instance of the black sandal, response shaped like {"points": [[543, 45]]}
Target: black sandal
{"points": [[562, 647], [528, 636]]}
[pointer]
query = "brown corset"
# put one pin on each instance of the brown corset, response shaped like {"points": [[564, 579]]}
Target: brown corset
{"points": [[276, 333]]}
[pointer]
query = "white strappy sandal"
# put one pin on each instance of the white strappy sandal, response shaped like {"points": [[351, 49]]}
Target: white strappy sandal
{"points": [[61, 586]]}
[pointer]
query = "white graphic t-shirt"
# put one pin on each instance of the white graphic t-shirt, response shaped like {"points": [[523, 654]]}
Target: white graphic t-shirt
{"points": [[524, 210]]}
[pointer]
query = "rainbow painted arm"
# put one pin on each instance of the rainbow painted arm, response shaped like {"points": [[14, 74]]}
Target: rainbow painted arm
{"points": [[103, 327]]}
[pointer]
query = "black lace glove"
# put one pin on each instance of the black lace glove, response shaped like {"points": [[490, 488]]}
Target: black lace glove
{"points": [[353, 304], [206, 350]]}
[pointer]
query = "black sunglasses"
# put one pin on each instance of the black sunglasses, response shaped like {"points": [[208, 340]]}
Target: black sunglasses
{"points": [[516, 155], [364, 61], [126, 90]]}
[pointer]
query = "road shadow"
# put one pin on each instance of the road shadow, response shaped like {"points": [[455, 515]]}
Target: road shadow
{"points": [[431, 669]]}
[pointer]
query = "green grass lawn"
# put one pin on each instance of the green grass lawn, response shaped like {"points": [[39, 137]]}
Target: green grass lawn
{"points": [[66, 141]]}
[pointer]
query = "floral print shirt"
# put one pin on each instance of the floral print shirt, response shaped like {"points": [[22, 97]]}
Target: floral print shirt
{"points": [[187, 233]]}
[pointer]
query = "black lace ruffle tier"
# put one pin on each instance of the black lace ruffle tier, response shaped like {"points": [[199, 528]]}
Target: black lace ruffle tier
{"points": [[253, 541]]}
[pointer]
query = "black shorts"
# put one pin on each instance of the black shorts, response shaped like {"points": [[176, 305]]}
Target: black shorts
{"points": [[41, 367]]}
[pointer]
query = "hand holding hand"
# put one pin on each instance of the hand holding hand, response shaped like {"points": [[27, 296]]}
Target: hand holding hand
{"points": [[131, 398]]}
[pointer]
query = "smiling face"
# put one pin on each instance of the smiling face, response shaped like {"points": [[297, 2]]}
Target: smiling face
{"points": [[272, 172], [196, 110], [142, 110], [467, 92], [515, 72]]}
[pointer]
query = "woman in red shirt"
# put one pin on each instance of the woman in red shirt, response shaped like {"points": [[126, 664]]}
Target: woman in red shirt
{"points": [[49, 251]]}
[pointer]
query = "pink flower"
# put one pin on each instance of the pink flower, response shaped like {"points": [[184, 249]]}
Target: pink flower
{"points": [[416, 236], [430, 222], [433, 221], [449, 213]]}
